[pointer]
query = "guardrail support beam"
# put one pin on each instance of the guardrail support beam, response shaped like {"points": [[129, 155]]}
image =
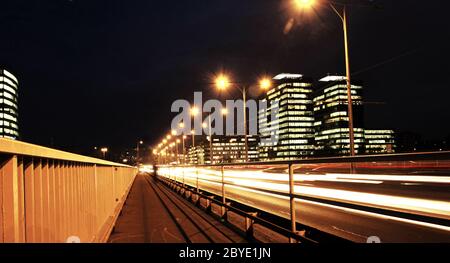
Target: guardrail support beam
{"points": [[292, 201], [12, 223], [249, 222]]}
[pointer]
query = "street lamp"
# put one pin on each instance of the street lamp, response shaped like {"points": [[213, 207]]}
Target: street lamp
{"points": [[172, 154], [343, 16], [222, 82], [184, 149], [304, 3], [194, 111], [140, 142], [224, 111], [265, 83], [181, 125], [176, 150], [104, 150], [193, 138], [164, 154], [204, 125]]}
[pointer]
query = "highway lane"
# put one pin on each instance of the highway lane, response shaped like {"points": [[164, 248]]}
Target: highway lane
{"points": [[415, 195]]}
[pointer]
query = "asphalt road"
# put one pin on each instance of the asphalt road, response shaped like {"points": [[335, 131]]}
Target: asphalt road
{"points": [[396, 204]]}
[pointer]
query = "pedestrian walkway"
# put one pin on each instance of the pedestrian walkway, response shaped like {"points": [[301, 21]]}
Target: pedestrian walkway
{"points": [[155, 214]]}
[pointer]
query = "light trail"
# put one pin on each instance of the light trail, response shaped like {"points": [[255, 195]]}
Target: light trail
{"points": [[277, 182]]}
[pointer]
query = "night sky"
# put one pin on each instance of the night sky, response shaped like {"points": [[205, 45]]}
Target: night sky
{"points": [[105, 72]]}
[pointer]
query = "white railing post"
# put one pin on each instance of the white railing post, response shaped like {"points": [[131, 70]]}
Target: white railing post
{"points": [[292, 201]]}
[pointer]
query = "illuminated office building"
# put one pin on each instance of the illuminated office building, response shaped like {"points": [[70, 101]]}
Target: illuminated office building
{"points": [[331, 117], [197, 154], [9, 107], [226, 149], [231, 149], [289, 134], [379, 141]]}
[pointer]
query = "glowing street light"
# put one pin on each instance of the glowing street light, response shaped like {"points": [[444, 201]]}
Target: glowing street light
{"points": [[224, 111], [194, 111], [304, 4], [222, 82], [265, 83]]}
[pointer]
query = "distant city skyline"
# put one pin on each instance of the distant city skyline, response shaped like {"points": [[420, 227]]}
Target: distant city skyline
{"points": [[297, 117]]}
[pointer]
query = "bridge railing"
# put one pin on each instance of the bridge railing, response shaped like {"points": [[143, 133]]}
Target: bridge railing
{"points": [[47, 195], [276, 187]]}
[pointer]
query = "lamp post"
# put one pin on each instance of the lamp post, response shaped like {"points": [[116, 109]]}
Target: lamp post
{"points": [[169, 148], [193, 138], [104, 150], [193, 146], [172, 155], [183, 137], [165, 156], [194, 112], [222, 83], [224, 112], [184, 150], [177, 141], [140, 142], [306, 4], [164, 150], [211, 154]]}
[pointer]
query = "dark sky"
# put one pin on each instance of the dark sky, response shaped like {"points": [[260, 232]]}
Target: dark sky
{"points": [[105, 72]]}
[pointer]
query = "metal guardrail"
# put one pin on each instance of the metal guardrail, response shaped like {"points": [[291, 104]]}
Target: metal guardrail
{"points": [[48, 195], [292, 233], [419, 156], [250, 218]]}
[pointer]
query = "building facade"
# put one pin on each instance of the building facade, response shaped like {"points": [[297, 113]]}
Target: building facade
{"points": [[302, 119], [226, 149], [231, 149], [198, 154], [331, 117], [286, 125], [9, 126], [379, 141]]}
